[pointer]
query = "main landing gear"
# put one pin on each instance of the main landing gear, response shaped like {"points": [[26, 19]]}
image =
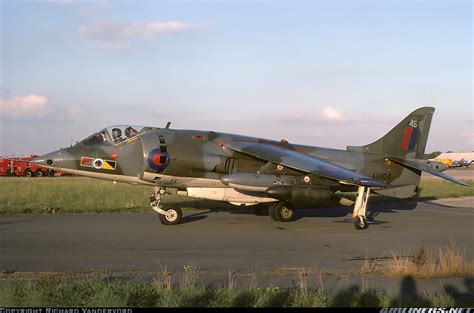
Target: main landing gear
{"points": [[168, 216], [360, 208], [282, 211]]}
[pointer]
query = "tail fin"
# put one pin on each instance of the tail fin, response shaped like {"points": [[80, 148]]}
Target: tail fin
{"points": [[407, 139]]}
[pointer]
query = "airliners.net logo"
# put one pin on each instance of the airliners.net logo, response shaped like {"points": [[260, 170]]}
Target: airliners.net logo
{"points": [[427, 310]]}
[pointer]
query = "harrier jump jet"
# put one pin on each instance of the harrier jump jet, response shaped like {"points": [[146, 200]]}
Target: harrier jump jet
{"points": [[252, 171]]}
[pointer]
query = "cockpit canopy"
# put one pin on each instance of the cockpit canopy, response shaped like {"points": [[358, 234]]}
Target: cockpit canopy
{"points": [[115, 135]]}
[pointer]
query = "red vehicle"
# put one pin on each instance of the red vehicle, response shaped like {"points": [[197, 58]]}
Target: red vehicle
{"points": [[5, 166], [21, 166]]}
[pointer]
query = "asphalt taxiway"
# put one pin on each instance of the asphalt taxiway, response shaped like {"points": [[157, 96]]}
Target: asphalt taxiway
{"points": [[322, 237]]}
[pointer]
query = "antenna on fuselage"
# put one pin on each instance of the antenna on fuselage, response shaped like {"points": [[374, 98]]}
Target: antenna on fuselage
{"points": [[167, 125]]}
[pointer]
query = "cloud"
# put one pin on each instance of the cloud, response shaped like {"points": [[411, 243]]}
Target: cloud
{"points": [[308, 115], [69, 2], [32, 106], [61, 2], [26, 106], [115, 30], [330, 114], [119, 35]]}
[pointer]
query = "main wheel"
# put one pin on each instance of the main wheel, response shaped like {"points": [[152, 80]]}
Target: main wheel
{"points": [[28, 173], [39, 173], [360, 222], [173, 216], [271, 211], [284, 212]]}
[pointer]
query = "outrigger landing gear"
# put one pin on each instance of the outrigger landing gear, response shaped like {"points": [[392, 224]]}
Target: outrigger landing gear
{"points": [[169, 216], [360, 208]]}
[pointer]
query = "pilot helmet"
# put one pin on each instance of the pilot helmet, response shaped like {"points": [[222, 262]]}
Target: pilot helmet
{"points": [[116, 133], [130, 132]]}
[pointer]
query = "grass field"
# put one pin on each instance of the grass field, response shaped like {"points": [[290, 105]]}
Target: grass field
{"points": [[85, 195], [53, 291]]}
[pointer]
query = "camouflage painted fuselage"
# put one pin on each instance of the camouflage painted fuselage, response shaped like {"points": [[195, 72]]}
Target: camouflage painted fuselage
{"points": [[245, 170]]}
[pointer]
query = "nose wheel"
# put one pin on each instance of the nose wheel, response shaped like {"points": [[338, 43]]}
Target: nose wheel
{"points": [[172, 216], [169, 216]]}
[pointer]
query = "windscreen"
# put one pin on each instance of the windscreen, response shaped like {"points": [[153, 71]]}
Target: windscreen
{"points": [[99, 138]]}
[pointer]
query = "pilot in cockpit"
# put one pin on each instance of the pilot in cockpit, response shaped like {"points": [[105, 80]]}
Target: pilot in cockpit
{"points": [[130, 132], [117, 135]]}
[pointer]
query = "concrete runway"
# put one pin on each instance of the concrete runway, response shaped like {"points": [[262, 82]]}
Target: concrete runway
{"points": [[236, 240]]}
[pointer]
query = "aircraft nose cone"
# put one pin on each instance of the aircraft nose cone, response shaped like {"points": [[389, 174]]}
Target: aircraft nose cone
{"points": [[52, 159]]}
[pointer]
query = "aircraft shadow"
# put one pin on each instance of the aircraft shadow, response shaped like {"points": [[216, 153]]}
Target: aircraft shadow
{"points": [[303, 210], [194, 217]]}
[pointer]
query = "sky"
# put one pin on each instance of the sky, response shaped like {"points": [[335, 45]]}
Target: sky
{"points": [[322, 73]]}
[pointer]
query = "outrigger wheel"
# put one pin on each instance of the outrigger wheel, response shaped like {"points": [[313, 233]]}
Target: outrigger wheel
{"points": [[173, 216], [360, 222]]}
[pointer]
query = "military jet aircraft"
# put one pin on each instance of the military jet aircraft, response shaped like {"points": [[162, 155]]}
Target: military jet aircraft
{"points": [[251, 171]]}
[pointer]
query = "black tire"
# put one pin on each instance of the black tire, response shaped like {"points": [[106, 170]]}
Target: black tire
{"points": [[39, 173], [271, 211], [50, 173], [360, 223], [284, 212], [173, 216], [28, 173]]}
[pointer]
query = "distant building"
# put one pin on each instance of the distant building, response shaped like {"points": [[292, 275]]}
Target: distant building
{"points": [[456, 156]]}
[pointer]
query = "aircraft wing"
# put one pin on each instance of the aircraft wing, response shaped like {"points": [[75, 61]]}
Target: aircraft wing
{"points": [[304, 163], [425, 168]]}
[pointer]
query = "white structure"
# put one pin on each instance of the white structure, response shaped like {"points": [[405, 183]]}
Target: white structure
{"points": [[456, 156]]}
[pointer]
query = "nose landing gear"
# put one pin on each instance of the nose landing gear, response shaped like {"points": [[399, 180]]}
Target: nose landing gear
{"points": [[168, 216]]}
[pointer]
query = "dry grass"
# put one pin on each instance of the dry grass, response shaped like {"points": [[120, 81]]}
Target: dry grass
{"points": [[164, 278], [445, 261]]}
